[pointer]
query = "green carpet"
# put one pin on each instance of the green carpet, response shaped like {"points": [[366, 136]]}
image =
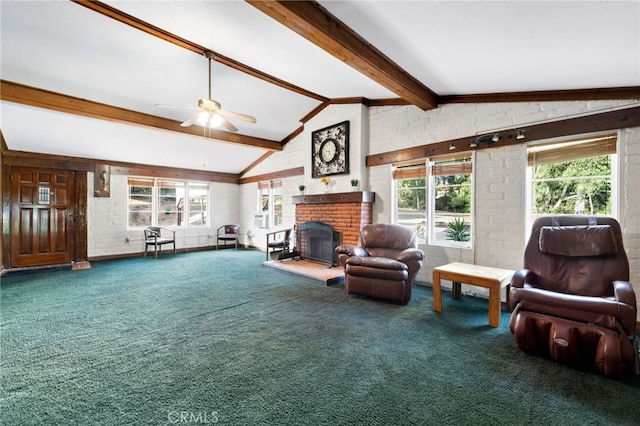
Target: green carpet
{"points": [[215, 337]]}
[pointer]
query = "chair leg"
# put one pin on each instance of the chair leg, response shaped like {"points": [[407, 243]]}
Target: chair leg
{"points": [[156, 249]]}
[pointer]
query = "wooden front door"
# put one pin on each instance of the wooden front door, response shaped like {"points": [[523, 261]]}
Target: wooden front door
{"points": [[42, 217]]}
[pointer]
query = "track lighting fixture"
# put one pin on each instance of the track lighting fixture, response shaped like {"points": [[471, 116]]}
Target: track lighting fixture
{"points": [[520, 134], [451, 146], [495, 138]]}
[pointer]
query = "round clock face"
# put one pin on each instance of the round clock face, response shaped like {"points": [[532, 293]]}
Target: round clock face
{"points": [[329, 150]]}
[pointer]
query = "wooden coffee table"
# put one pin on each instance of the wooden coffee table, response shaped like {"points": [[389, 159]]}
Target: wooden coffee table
{"points": [[483, 276]]}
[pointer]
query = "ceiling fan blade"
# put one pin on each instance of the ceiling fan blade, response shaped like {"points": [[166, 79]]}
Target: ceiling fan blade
{"points": [[176, 106], [229, 125], [237, 115], [191, 121]]}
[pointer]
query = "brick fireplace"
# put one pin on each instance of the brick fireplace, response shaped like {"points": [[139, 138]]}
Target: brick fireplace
{"points": [[347, 212]]}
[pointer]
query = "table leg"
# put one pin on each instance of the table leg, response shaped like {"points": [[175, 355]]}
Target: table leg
{"points": [[456, 290], [437, 293], [494, 305]]}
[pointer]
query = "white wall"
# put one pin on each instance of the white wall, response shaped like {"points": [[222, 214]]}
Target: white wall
{"points": [[107, 220]]}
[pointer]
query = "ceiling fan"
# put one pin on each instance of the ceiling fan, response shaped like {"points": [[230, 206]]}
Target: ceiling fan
{"points": [[210, 114]]}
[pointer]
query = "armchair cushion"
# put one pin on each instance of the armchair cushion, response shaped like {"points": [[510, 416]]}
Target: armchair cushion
{"points": [[576, 241]]}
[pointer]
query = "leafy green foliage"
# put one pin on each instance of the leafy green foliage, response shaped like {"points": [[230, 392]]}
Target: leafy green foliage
{"points": [[458, 230], [573, 187]]}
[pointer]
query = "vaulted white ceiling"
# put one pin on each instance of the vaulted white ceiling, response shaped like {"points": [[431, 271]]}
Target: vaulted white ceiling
{"points": [[451, 47]]}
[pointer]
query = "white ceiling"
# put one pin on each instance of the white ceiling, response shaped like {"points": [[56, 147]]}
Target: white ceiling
{"points": [[452, 47]]}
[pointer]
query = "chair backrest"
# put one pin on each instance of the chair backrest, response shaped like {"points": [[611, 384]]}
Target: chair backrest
{"points": [[231, 229], [577, 254], [151, 231], [387, 240]]}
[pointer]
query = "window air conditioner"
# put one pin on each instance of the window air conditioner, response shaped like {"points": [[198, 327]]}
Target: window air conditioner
{"points": [[260, 220]]}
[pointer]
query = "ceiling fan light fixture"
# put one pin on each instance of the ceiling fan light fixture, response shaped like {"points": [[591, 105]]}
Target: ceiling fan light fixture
{"points": [[215, 120], [203, 118]]}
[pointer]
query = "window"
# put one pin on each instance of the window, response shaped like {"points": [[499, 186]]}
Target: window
{"points": [[411, 196], [572, 177], [140, 205], [450, 189], [270, 202], [170, 203], [162, 202]]}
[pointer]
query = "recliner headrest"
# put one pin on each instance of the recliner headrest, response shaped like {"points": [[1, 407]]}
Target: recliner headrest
{"points": [[577, 241]]}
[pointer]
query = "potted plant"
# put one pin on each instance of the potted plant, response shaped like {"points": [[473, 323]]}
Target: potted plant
{"points": [[301, 188], [354, 184]]}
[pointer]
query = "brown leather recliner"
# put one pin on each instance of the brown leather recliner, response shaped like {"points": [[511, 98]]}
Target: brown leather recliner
{"points": [[573, 301], [383, 264]]}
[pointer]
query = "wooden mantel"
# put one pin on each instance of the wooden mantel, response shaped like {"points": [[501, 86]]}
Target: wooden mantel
{"points": [[347, 212], [338, 197]]}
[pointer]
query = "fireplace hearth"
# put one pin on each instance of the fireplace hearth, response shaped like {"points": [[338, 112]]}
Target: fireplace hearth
{"points": [[317, 241]]}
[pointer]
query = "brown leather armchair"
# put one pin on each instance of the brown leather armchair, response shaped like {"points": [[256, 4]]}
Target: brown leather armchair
{"points": [[573, 301], [383, 264]]}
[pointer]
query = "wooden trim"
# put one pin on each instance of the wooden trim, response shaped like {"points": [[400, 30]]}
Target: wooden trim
{"points": [[26, 95], [292, 135], [314, 112], [255, 163], [339, 197], [141, 25], [389, 102], [597, 122], [81, 234], [631, 92], [298, 171], [29, 159], [354, 100], [319, 26], [3, 143]]}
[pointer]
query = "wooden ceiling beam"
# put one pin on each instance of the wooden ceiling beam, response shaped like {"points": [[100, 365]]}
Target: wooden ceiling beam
{"points": [[632, 92], [26, 95], [141, 25], [316, 24]]}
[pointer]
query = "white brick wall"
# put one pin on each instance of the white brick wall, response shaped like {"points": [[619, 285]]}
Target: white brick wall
{"points": [[499, 204]]}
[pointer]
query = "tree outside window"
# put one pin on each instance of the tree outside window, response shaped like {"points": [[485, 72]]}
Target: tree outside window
{"points": [[573, 177]]}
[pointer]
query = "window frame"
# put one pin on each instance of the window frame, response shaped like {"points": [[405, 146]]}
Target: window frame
{"points": [[611, 149], [413, 170], [434, 170], [155, 203], [272, 192]]}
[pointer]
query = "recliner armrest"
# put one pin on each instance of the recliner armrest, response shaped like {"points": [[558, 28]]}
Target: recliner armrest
{"points": [[351, 250], [522, 276], [410, 254], [626, 296], [377, 263]]}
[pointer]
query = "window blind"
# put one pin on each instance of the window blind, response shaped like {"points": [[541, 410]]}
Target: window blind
{"points": [[576, 149], [410, 170]]}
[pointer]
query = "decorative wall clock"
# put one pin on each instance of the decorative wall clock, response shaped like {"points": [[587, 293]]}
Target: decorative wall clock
{"points": [[330, 150]]}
